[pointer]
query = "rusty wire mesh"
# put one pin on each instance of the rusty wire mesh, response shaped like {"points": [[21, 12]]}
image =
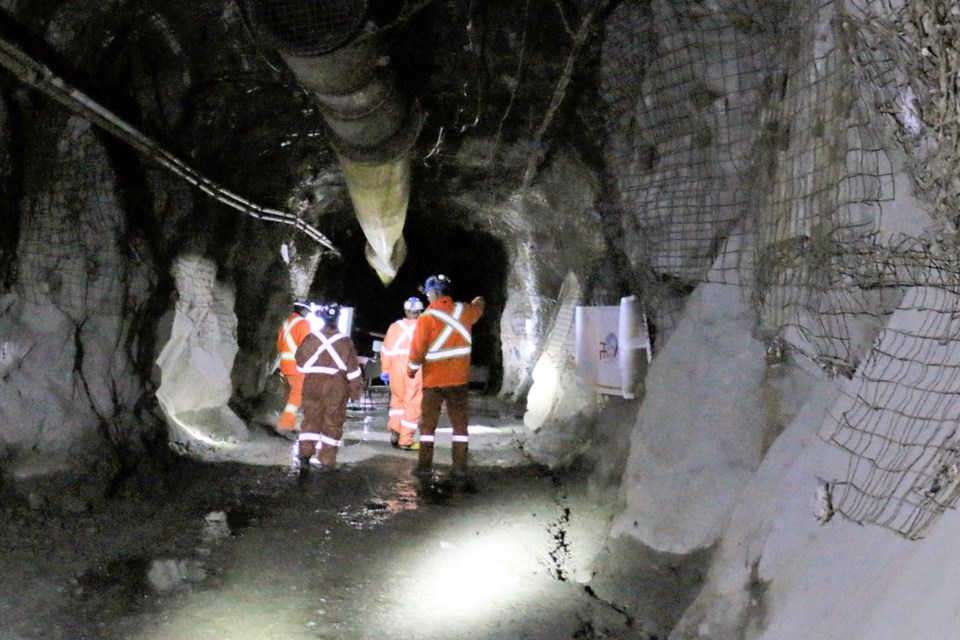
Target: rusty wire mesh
{"points": [[309, 27], [830, 177], [72, 233], [898, 418], [755, 144], [680, 157]]}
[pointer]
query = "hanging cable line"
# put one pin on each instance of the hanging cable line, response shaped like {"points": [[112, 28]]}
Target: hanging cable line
{"points": [[40, 77]]}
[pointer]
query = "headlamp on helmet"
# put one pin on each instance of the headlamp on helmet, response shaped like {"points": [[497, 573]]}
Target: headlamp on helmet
{"points": [[413, 304], [438, 283], [322, 315], [329, 312]]}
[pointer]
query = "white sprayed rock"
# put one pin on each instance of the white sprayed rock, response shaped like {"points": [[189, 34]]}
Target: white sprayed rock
{"points": [[197, 360], [164, 575]]}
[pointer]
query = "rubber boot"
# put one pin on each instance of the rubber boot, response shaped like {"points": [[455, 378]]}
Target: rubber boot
{"points": [[459, 467], [304, 468], [425, 461], [327, 456], [458, 472]]}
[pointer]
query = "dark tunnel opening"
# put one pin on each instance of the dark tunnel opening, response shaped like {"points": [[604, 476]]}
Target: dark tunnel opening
{"points": [[476, 263]]}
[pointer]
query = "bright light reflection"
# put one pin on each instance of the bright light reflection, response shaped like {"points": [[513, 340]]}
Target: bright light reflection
{"points": [[235, 613], [195, 434], [478, 572], [466, 571], [463, 574], [473, 428], [469, 573]]}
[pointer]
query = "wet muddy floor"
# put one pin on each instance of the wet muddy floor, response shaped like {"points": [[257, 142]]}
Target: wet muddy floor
{"points": [[226, 540], [238, 551]]}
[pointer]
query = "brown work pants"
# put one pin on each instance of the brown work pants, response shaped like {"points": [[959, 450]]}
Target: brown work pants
{"points": [[324, 412], [457, 402]]}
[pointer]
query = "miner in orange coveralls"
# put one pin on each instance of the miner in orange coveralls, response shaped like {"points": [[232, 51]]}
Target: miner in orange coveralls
{"points": [[405, 393], [291, 334], [328, 361], [441, 350]]}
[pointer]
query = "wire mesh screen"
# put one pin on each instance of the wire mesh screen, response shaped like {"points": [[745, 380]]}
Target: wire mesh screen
{"points": [[898, 420], [687, 125], [830, 176], [72, 229], [776, 123], [309, 27]]}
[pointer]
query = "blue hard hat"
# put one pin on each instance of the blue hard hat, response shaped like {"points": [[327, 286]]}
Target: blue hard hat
{"points": [[439, 283], [413, 304]]}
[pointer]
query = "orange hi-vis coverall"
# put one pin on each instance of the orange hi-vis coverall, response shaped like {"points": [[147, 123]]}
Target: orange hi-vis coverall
{"points": [[405, 393], [328, 360], [291, 334], [441, 349]]}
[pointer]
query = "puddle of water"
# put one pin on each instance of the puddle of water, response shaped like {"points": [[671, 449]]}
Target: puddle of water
{"points": [[403, 496], [366, 553]]}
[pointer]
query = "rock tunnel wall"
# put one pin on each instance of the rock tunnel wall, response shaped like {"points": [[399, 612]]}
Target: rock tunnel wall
{"points": [[830, 236], [776, 148], [94, 230], [817, 140]]}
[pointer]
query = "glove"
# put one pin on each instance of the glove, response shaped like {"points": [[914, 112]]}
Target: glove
{"points": [[385, 377]]}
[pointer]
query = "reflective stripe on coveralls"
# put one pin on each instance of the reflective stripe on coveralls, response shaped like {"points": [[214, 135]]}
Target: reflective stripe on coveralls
{"points": [[402, 346], [405, 393], [426, 438], [322, 439], [327, 345], [293, 331], [288, 417], [436, 351], [290, 350], [326, 357]]}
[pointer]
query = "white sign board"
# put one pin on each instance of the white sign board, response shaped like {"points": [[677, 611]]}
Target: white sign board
{"points": [[612, 347]]}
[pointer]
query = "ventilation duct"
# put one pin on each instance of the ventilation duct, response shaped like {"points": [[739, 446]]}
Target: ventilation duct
{"points": [[333, 51]]}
